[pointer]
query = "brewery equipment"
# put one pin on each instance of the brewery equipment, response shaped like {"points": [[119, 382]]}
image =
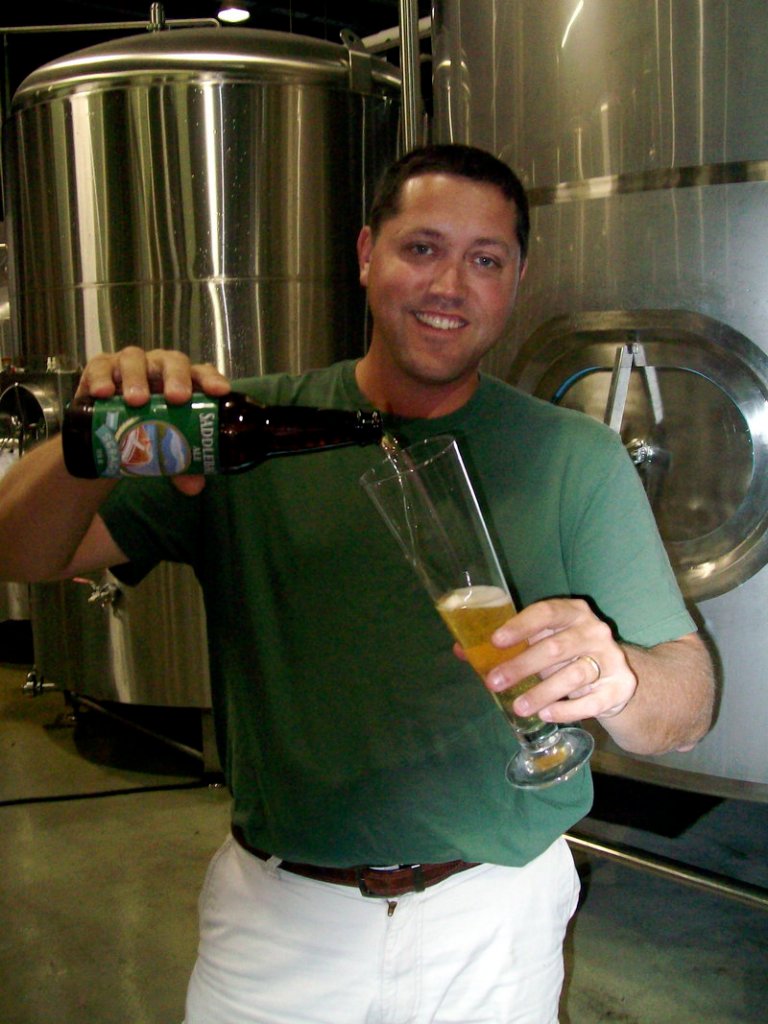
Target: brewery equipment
{"points": [[640, 132], [194, 189]]}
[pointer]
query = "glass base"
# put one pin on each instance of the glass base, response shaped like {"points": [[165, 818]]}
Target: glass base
{"points": [[568, 751]]}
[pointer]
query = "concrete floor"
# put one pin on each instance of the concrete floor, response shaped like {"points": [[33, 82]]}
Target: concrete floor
{"points": [[105, 838]]}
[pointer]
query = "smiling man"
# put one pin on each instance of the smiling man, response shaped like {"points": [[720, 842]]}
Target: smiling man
{"points": [[380, 868], [442, 270]]}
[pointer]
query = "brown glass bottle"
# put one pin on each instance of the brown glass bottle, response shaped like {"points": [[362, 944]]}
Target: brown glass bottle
{"points": [[107, 438]]}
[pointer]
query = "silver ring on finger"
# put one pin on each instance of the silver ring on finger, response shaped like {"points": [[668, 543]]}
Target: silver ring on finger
{"points": [[595, 665]]}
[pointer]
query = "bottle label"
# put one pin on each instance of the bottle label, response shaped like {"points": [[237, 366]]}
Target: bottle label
{"points": [[156, 439]]}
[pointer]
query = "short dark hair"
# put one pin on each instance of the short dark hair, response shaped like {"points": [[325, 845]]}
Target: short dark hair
{"points": [[450, 158]]}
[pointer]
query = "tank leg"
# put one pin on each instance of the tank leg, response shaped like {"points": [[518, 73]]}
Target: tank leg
{"points": [[211, 763]]}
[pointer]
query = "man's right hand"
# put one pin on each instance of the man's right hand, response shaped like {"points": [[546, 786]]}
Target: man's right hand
{"points": [[136, 373]]}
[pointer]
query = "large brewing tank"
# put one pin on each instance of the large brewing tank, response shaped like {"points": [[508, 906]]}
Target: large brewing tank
{"points": [[195, 189], [641, 132]]}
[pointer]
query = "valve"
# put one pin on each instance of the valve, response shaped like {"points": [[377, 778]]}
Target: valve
{"points": [[102, 594], [643, 453]]}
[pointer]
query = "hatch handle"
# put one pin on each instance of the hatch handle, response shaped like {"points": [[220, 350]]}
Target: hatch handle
{"points": [[627, 357]]}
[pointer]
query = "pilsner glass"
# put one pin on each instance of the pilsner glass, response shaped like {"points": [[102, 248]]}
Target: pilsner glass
{"points": [[424, 495]]}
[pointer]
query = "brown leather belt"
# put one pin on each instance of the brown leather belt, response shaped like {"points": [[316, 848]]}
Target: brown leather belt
{"points": [[383, 883]]}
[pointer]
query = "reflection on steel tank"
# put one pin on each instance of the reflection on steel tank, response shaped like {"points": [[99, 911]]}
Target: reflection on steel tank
{"points": [[641, 133], [14, 598], [197, 189]]}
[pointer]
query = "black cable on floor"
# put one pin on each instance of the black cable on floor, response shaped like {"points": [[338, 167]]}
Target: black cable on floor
{"points": [[197, 784]]}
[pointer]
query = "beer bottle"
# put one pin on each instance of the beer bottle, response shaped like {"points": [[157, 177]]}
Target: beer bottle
{"points": [[107, 438]]}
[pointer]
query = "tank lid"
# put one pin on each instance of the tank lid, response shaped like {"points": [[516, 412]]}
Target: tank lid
{"points": [[229, 53]]}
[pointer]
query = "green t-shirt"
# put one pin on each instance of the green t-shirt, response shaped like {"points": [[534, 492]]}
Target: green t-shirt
{"points": [[348, 730]]}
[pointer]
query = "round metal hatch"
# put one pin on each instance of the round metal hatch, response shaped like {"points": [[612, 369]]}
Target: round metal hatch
{"points": [[689, 397]]}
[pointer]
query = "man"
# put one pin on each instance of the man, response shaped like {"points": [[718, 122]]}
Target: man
{"points": [[354, 740]]}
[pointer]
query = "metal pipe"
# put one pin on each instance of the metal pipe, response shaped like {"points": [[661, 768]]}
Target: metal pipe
{"points": [[389, 38], [111, 26], [410, 74], [699, 878]]}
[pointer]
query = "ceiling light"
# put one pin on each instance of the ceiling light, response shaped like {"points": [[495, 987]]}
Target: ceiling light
{"points": [[233, 12]]}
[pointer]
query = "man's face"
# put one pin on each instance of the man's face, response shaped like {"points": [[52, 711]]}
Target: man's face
{"points": [[442, 276]]}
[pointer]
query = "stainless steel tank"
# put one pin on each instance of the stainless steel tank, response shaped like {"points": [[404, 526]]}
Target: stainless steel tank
{"points": [[193, 189], [196, 188], [641, 133]]}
